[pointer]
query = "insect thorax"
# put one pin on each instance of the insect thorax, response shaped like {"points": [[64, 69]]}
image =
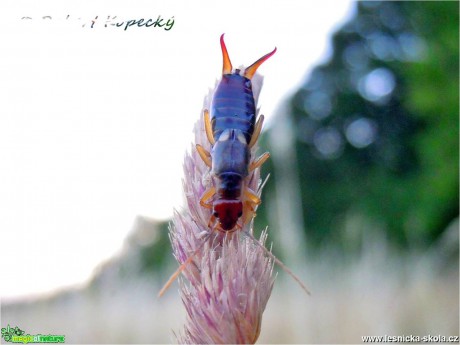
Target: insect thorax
{"points": [[230, 154]]}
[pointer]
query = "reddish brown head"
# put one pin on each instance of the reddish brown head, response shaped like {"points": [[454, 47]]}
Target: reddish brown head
{"points": [[227, 212]]}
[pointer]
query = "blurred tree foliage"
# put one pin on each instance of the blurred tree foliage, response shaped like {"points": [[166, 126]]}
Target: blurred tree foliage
{"points": [[376, 132], [155, 253], [377, 125]]}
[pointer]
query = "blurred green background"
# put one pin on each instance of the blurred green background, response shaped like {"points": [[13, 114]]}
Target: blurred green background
{"points": [[362, 200], [373, 135], [375, 129]]}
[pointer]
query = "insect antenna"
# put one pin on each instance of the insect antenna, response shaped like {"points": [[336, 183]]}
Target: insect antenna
{"points": [[279, 262], [183, 266]]}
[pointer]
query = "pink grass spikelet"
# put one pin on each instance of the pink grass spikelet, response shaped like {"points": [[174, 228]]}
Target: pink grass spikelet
{"points": [[230, 277], [229, 272]]}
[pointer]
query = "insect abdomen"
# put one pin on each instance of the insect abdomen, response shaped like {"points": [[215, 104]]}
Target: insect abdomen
{"points": [[233, 106]]}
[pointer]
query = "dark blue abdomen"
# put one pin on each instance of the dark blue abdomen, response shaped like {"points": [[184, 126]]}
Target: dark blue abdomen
{"points": [[233, 106]]}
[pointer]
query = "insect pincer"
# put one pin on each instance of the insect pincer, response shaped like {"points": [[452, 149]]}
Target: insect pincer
{"points": [[227, 65], [249, 71]]}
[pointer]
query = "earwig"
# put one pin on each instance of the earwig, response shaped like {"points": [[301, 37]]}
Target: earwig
{"points": [[232, 130]]}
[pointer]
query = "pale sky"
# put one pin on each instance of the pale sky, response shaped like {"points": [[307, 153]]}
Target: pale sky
{"points": [[95, 122]]}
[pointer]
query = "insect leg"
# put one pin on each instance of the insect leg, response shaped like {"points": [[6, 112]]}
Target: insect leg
{"points": [[208, 194], [208, 127], [251, 196], [205, 155], [259, 161], [257, 130], [251, 201], [248, 212], [212, 220]]}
